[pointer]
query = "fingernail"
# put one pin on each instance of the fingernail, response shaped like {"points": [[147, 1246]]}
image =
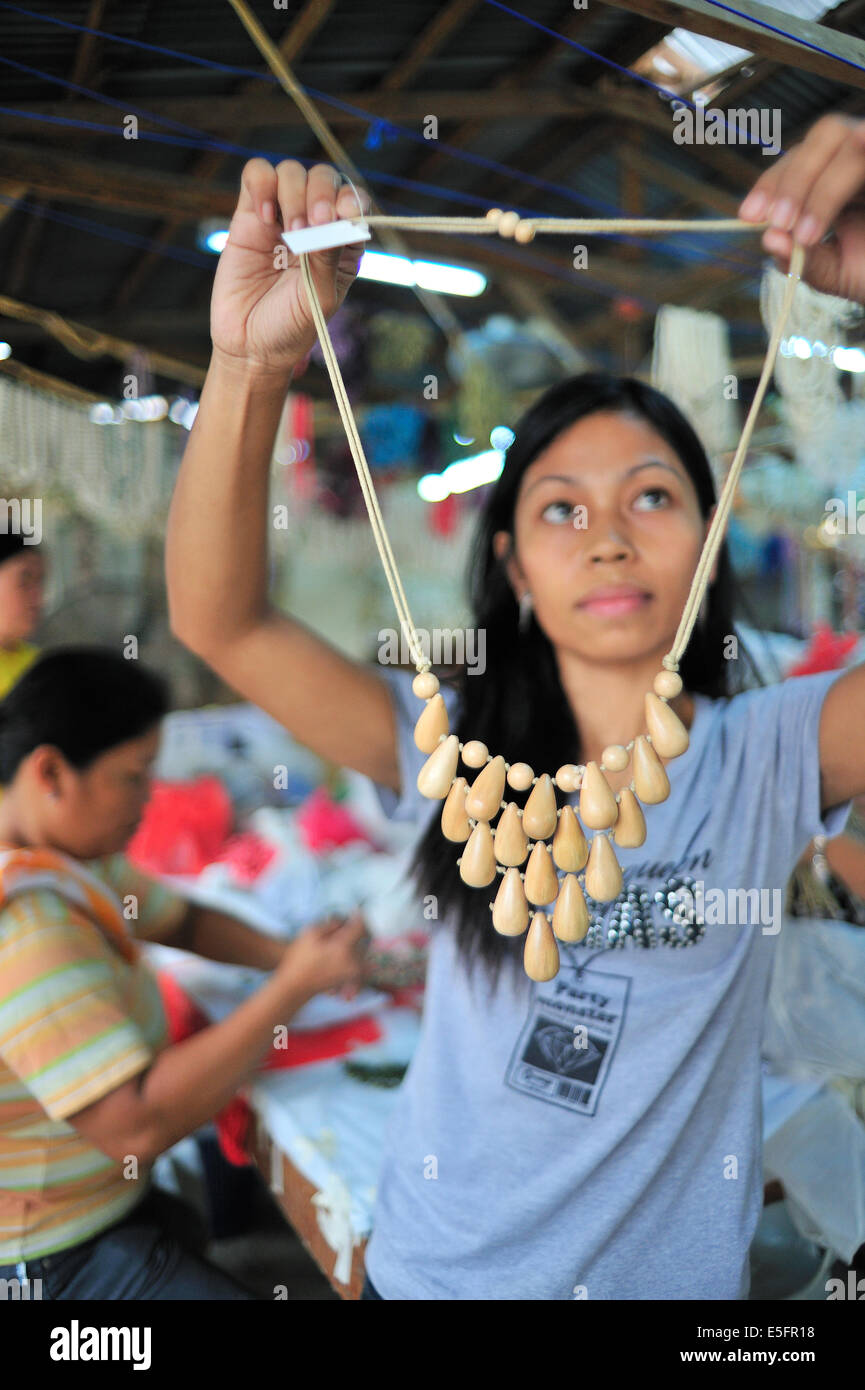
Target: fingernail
{"points": [[807, 230], [322, 212], [267, 213], [781, 215], [297, 224], [754, 206], [775, 243]]}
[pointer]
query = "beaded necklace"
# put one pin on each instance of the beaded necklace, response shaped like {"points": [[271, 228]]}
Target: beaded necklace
{"points": [[543, 837]]}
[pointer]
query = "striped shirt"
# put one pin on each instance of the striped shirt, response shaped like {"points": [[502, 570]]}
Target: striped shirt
{"points": [[77, 1021]]}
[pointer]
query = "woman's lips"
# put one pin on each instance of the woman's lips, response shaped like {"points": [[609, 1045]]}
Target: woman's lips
{"points": [[611, 603]]}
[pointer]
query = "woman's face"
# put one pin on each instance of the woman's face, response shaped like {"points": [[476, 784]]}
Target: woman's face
{"points": [[608, 580], [21, 582], [95, 812]]}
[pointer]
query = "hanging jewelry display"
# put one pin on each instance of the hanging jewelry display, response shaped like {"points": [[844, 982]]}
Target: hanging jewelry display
{"points": [[529, 848]]}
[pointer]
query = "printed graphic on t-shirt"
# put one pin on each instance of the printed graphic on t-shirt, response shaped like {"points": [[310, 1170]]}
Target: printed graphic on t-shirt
{"points": [[567, 1043]]}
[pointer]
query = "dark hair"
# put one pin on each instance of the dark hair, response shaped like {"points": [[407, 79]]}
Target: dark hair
{"points": [[82, 700], [12, 545], [523, 663]]}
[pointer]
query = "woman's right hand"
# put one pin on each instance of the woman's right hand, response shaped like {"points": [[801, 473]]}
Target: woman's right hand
{"points": [[259, 312], [326, 956]]}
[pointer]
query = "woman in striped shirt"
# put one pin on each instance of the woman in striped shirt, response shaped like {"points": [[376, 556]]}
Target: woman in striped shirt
{"points": [[90, 1092]]}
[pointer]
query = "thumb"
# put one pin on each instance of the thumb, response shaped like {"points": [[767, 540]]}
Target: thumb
{"points": [[820, 268]]}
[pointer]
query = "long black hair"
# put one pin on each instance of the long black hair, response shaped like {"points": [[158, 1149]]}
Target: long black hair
{"points": [[521, 663], [81, 700]]}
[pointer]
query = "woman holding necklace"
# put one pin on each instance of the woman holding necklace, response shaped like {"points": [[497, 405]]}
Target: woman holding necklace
{"points": [[597, 1135]]}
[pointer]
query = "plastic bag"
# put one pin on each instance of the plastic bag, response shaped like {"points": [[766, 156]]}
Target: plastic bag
{"points": [[815, 1014], [185, 826]]}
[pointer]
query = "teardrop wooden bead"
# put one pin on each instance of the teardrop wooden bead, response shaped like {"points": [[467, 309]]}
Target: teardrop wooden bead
{"points": [[455, 822], [541, 954], [630, 828], [598, 808], [570, 914], [438, 772], [478, 862], [520, 777], [431, 725], [615, 758], [668, 684], [651, 782], [603, 874], [475, 753], [542, 885], [540, 815], [570, 846], [669, 735], [510, 909], [425, 685], [484, 797], [510, 841]]}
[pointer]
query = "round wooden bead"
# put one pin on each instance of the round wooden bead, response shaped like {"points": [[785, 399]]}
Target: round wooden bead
{"points": [[567, 777], [425, 685], [475, 753], [524, 232], [508, 223], [541, 954], [668, 684], [520, 776], [510, 909], [493, 214], [615, 758]]}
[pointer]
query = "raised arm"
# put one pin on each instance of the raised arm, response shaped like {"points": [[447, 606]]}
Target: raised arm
{"points": [[218, 532]]}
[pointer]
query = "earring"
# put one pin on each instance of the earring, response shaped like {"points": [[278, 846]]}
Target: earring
{"points": [[525, 611]]}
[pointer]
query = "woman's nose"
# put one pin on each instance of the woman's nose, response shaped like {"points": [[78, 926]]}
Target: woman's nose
{"points": [[608, 544]]}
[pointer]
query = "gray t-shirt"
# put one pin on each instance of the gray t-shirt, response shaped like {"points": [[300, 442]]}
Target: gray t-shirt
{"points": [[519, 1165]]}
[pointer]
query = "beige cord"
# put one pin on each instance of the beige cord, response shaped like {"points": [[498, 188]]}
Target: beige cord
{"points": [[369, 494]]}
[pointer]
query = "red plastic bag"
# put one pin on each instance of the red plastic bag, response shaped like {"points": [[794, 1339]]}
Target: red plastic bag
{"points": [[184, 827], [325, 825]]}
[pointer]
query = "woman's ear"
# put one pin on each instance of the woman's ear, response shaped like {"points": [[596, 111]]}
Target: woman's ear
{"points": [[503, 549]]}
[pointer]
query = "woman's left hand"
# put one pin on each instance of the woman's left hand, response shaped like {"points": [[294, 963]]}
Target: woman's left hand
{"points": [[817, 187]]}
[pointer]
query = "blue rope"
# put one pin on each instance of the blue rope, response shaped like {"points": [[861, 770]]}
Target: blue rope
{"points": [[86, 224], [803, 43], [481, 161], [200, 140], [617, 67]]}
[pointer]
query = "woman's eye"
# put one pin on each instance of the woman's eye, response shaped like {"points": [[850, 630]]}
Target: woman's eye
{"points": [[654, 492], [557, 511]]}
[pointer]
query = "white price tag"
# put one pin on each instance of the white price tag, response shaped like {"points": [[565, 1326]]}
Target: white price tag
{"points": [[342, 233]]}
